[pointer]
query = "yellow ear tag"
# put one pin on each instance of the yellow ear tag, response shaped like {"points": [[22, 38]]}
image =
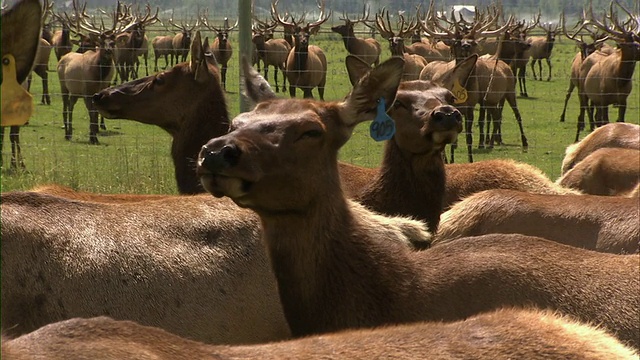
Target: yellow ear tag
{"points": [[17, 103], [459, 92]]}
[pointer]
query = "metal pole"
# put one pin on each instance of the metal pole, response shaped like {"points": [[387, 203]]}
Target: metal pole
{"points": [[246, 47]]}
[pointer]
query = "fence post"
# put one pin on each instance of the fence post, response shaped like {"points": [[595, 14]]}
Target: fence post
{"points": [[244, 29]]}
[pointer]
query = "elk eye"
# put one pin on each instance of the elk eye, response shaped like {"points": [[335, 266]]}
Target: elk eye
{"points": [[158, 81], [310, 134]]}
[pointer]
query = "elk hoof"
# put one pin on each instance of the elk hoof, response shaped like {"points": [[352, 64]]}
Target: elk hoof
{"points": [[93, 140]]}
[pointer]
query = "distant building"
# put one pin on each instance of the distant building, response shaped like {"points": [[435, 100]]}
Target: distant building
{"points": [[468, 12]]}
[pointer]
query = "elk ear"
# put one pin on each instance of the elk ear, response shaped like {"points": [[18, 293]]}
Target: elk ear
{"points": [[356, 68], [21, 26], [198, 60], [256, 88], [380, 82], [463, 70], [208, 54]]}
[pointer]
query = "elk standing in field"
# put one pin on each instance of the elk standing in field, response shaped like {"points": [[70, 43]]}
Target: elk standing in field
{"points": [[585, 49], [608, 81], [162, 46], [505, 333], [221, 47], [306, 64], [182, 41], [541, 47], [21, 30], [413, 63], [367, 49], [334, 272], [130, 44], [272, 52], [82, 75]]}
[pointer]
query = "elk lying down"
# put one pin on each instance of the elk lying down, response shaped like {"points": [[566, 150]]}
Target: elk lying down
{"points": [[621, 135], [602, 223], [470, 178], [606, 171], [192, 265], [502, 334], [335, 272], [69, 193]]}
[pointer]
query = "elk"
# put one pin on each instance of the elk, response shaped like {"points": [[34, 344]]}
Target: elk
{"points": [[504, 333], [619, 135], [585, 49], [606, 171], [541, 48], [306, 64], [367, 49], [182, 40], [21, 29], [601, 223], [162, 46], [221, 47], [41, 68], [195, 83], [130, 44], [609, 80], [413, 63], [333, 272], [519, 63], [272, 52], [82, 75]]}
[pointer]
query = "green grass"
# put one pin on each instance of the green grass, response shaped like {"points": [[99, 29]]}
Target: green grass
{"points": [[134, 158]]}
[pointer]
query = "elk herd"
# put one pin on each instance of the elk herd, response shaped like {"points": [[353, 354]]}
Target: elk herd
{"points": [[275, 249]]}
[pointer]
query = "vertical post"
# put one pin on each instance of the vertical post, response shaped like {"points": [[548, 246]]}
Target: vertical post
{"points": [[244, 30]]}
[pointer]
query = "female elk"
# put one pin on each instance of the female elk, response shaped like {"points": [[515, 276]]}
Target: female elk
{"points": [[507, 333], [306, 64], [334, 272]]}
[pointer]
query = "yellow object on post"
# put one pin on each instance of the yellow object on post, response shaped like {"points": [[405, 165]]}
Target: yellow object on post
{"points": [[17, 103]]}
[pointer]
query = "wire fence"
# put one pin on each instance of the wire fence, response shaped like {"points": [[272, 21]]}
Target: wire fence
{"points": [[135, 157]]}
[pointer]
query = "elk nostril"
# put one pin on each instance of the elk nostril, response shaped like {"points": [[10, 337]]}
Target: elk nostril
{"points": [[447, 114], [216, 160], [97, 97]]}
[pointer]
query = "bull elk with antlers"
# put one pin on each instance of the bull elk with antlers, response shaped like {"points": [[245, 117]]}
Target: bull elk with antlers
{"points": [[131, 43], [181, 42], [221, 47], [607, 80], [82, 75], [367, 49], [413, 63], [272, 52], [306, 64], [541, 47]]}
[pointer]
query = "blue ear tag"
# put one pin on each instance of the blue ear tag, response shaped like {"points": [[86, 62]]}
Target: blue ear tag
{"points": [[382, 128]]}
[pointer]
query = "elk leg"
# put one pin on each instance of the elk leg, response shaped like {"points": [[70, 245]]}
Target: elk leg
{"points": [[292, 90], [540, 69], [224, 77], [93, 121], [548, 64], [566, 100], [275, 76], [511, 99], [1, 145], [533, 69], [146, 66], [622, 109], [66, 115], [46, 98], [16, 153], [481, 119], [468, 128], [321, 90]]}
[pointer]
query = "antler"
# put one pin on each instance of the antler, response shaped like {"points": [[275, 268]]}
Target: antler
{"points": [[321, 18]]}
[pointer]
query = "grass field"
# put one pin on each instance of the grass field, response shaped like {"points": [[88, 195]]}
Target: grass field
{"points": [[134, 158]]}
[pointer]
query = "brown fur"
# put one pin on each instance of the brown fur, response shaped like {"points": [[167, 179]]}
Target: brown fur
{"points": [[333, 273], [61, 41], [193, 266], [273, 52], [466, 179], [507, 333], [541, 48], [221, 47], [191, 105], [620, 135], [606, 171], [69, 193], [602, 223]]}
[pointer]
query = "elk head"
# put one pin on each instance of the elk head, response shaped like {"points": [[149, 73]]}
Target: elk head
{"points": [[346, 30], [301, 34], [396, 39], [221, 33], [626, 34]]}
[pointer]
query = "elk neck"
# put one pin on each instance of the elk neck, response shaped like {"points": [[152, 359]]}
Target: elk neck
{"points": [[300, 57], [326, 264], [408, 184]]}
